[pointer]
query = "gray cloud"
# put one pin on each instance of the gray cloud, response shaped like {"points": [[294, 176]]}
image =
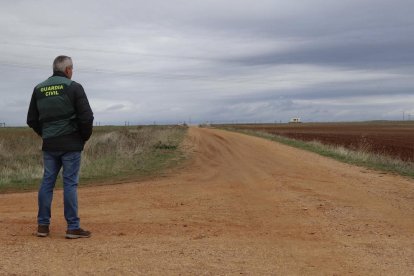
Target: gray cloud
{"points": [[246, 60], [359, 54]]}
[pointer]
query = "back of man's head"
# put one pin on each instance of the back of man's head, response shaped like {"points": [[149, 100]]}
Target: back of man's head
{"points": [[61, 63]]}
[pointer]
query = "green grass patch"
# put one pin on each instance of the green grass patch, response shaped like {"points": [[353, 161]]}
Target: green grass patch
{"points": [[360, 158], [113, 154]]}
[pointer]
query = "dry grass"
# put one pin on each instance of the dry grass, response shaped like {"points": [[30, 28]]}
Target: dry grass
{"points": [[360, 157], [20, 157], [363, 156], [129, 151], [112, 153]]}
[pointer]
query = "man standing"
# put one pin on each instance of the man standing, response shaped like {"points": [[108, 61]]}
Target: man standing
{"points": [[59, 112]]}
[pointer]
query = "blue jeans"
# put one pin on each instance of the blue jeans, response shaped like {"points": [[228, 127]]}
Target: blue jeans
{"points": [[53, 161]]}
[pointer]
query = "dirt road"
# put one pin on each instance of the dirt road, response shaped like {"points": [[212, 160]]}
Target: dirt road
{"points": [[241, 206]]}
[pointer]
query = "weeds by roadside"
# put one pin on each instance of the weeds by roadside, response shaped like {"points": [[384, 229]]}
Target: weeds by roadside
{"points": [[112, 154], [359, 157], [20, 158]]}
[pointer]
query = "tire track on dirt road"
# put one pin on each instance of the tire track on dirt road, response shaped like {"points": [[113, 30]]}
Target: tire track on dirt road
{"points": [[241, 205]]}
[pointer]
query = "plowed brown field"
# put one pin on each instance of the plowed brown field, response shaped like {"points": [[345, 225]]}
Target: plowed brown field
{"points": [[241, 205], [392, 139]]}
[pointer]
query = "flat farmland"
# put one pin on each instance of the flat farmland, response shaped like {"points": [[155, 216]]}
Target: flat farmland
{"points": [[395, 139], [240, 205]]}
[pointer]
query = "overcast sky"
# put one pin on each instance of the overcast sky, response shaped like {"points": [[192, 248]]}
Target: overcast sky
{"points": [[214, 60]]}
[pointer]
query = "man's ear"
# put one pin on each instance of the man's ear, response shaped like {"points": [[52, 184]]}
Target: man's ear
{"points": [[68, 72]]}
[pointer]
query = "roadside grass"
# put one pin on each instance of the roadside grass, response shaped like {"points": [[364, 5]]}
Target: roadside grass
{"points": [[113, 154], [361, 157]]}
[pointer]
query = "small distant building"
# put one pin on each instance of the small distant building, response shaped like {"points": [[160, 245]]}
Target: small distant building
{"points": [[295, 120]]}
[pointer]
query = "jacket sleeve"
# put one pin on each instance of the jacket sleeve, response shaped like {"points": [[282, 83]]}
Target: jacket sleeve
{"points": [[83, 112], [33, 116]]}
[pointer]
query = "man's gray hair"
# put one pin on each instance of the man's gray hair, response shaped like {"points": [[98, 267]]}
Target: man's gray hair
{"points": [[61, 63]]}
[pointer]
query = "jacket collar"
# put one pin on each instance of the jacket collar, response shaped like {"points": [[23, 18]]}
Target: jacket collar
{"points": [[59, 74]]}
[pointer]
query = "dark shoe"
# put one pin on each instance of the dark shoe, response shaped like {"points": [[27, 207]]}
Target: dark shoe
{"points": [[42, 230], [77, 233]]}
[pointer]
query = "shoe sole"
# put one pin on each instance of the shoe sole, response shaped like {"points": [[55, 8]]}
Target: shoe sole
{"points": [[42, 235], [71, 236]]}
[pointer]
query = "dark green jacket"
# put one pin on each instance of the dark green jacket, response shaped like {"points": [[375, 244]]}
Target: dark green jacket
{"points": [[59, 111]]}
